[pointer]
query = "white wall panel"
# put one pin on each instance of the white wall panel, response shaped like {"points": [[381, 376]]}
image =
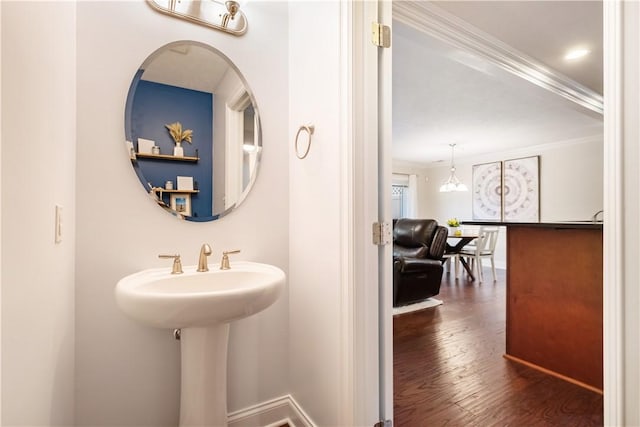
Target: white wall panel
{"points": [[128, 374], [38, 172], [315, 275]]}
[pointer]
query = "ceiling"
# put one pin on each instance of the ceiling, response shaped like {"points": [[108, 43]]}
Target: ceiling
{"points": [[443, 95], [183, 65], [544, 30]]}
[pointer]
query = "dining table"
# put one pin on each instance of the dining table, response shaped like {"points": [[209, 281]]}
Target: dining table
{"points": [[463, 239]]}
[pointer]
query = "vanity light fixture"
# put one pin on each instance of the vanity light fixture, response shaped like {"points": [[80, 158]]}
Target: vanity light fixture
{"points": [[453, 183], [576, 53], [221, 16]]}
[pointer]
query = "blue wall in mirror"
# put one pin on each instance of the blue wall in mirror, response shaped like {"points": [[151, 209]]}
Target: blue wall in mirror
{"points": [[155, 105]]}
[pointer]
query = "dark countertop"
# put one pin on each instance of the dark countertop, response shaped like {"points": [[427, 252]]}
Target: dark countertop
{"points": [[560, 224]]}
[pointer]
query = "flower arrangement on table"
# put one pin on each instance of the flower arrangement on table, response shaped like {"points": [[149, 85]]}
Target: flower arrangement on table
{"points": [[179, 135], [453, 223]]}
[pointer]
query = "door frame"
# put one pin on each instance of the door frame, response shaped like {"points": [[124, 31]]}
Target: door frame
{"points": [[385, 252], [621, 328], [363, 399], [621, 212]]}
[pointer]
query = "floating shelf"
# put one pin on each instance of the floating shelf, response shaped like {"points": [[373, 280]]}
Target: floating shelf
{"points": [[162, 190], [167, 157]]}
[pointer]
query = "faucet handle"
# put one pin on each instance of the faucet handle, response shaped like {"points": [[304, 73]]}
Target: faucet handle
{"points": [[177, 263], [224, 263]]}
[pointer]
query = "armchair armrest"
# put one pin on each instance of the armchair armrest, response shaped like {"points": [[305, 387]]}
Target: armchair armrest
{"points": [[416, 265], [439, 243]]}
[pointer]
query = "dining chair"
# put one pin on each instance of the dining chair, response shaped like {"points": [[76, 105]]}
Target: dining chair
{"points": [[448, 258], [485, 246]]}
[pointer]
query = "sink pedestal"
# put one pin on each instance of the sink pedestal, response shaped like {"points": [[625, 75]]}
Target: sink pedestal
{"points": [[203, 392]]}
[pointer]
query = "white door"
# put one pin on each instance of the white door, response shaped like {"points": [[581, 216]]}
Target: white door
{"points": [[385, 266], [371, 91]]}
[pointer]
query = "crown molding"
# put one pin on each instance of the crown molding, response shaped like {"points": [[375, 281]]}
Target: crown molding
{"points": [[436, 22], [531, 150]]}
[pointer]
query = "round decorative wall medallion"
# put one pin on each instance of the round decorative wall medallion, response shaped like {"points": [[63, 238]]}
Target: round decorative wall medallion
{"points": [[487, 191], [521, 190]]}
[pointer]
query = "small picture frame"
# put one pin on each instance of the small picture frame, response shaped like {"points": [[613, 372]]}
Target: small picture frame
{"points": [[181, 203], [185, 183], [145, 146]]}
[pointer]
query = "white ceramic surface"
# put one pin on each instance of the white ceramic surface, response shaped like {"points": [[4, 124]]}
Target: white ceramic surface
{"points": [[196, 299], [201, 304]]}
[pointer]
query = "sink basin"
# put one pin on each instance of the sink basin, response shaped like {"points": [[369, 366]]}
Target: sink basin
{"points": [[158, 298]]}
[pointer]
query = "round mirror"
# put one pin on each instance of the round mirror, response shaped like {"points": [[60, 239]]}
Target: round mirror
{"points": [[193, 131]]}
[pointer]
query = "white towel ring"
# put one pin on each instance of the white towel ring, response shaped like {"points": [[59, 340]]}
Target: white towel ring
{"points": [[309, 129]]}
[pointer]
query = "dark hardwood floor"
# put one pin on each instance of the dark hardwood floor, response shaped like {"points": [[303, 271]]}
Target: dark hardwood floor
{"points": [[449, 369]]}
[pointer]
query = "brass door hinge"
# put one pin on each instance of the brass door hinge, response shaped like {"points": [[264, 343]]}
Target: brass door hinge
{"points": [[381, 233], [380, 35]]}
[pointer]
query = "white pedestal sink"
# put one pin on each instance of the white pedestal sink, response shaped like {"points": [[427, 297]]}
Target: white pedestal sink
{"points": [[201, 305]]}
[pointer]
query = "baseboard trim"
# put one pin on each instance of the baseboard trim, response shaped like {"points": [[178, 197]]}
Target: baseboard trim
{"points": [[553, 373], [272, 413]]}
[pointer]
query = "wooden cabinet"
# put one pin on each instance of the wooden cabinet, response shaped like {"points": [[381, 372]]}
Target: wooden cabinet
{"points": [[554, 301]]}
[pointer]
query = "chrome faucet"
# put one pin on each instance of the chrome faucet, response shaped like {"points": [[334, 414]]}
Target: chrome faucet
{"points": [[594, 218], [177, 264], [205, 251], [224, 263]]}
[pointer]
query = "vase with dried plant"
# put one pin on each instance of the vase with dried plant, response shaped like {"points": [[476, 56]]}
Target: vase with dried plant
{"points": [[179, 135]]}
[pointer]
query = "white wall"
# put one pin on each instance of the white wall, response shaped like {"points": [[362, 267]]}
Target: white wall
{"points": [[570, 182], [0, 215], [571, 186], [315, 279], [128, 374], [38, 172]]}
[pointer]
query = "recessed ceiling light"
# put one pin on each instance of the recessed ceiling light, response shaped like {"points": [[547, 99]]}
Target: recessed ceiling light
{"points": [[577, 53]]}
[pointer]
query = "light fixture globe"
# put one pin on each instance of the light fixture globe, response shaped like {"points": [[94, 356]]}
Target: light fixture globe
{"points": [[450, 186], [453, 183]]}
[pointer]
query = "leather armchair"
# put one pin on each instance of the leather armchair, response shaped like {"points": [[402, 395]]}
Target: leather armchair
{"points": [[418, 246]]}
